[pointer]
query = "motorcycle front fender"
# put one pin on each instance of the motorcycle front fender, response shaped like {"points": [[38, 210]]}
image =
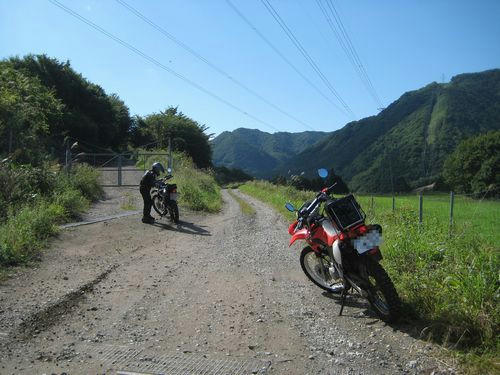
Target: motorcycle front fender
{"points": [[336, 252], [299, 235]]}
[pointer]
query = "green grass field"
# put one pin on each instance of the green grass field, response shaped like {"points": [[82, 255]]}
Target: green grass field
{"points": [[479, 216], [448, 280]]}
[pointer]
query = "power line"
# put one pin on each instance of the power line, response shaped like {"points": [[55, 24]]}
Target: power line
{"points": [[306, 55], [345, 42], [157, 63], [207, 62], [277, 51], [355, 53]]}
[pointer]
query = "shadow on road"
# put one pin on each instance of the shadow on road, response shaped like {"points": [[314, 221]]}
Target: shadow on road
{"points": [[353, 300], [184, 227], [408, 323]]}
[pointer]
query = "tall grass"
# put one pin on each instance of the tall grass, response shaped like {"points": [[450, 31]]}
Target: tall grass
{"points": [[479, 216], [448, 281], [197, 188], [32, 218]]}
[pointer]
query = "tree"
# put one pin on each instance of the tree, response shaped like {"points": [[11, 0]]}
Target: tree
{"points": [[90, 114], [186, 134], [27, 109], [474, 166]]}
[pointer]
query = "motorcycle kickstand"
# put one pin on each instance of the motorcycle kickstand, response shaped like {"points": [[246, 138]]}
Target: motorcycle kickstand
{"points": [[343, 298]]}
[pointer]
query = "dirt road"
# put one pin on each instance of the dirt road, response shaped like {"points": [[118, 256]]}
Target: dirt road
{"points": [[218, 294]]}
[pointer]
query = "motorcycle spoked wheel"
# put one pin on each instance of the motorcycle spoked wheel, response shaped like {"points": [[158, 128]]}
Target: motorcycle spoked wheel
{"points": [[163, 208], [311, 265], [159, 205], [174, 212], [382, 294]]}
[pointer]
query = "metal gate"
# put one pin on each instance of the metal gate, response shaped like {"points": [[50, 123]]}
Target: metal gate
{"points": [[125, 169]]}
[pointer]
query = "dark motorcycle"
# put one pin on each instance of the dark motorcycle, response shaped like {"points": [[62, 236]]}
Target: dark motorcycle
{"points": [[164, 198], [343, 252]]}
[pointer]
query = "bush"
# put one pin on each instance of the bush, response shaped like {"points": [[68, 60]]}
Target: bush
{"points": [[473, 167], [86, 180], [22, 184], [197, 188], [24, 234], [34, 200], [199, 191], [72, 201]]}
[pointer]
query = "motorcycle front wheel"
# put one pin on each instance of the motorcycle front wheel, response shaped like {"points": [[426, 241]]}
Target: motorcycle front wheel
{"points": [[159, 205], [312, 264], [382, 294]]}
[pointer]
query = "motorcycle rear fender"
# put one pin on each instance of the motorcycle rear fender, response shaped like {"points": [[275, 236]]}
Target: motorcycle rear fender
{"points": [[375, 254], [299, 235]]}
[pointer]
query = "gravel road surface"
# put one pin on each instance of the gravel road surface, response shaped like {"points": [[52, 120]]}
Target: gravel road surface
{"points": [[217, 294]]}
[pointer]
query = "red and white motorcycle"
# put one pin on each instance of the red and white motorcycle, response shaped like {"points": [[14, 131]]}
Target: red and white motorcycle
{"points": [[343, 252]]}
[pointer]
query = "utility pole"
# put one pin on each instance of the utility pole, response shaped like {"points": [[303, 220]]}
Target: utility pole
{"points": [[10, 139], [68, 157], [170, 152]]}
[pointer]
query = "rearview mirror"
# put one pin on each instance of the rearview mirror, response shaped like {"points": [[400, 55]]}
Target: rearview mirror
{"points": [[169, 170], [323, 173], [289, 207]]}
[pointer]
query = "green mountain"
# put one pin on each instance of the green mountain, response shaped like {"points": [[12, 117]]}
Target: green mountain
{"points": [[259, 153], [406, 144], [403, 147]]}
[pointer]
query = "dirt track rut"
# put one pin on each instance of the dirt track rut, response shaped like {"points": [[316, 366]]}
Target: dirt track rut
{"points": [[220, 293]]}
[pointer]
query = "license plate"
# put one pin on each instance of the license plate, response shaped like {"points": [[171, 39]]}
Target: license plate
{"points": [[367, 242], [173, 196]]}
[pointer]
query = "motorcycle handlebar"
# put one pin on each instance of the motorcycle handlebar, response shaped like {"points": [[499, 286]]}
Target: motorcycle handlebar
{"points": [[320, 197]]}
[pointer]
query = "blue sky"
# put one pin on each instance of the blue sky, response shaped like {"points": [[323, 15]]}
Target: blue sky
{"points": [[403, 45]]}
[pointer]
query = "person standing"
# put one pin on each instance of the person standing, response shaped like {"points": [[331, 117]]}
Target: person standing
{"points": [[147, 182]]}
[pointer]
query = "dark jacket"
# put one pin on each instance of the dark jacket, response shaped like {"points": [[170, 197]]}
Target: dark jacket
{"points": [[148, 180]]}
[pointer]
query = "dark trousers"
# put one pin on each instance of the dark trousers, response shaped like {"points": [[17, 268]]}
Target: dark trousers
{"points": [[148, 202]]}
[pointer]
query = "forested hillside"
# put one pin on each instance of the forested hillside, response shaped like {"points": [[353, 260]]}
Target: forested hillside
{"points": [[77, 108], [259, 153], [45, 104], [406, 144]]}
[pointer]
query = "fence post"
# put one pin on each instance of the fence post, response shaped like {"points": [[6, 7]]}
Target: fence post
{"points": [[120, 170], [421, 206], [10, 138], [393, 203], [452, 200], [68, 159]]}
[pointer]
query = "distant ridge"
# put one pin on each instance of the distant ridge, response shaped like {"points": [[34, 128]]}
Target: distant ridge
{"points": [[401, 148], [259, 153]]}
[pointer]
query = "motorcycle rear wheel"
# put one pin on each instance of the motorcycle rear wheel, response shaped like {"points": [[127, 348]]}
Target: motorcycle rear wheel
{"points": [[382, 294], [174, 212], [311, 265]]}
